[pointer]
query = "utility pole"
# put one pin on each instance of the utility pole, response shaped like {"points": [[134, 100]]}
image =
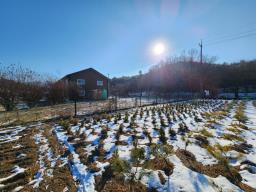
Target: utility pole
{"points": [[108, 94], [201, 62], [201, 51], [140, 85]]}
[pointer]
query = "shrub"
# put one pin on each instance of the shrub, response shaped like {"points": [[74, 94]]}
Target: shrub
{"points": [[162, 122], [174, 118], [234, 130], [161, 151], [94, 122], [119, 116], [132, 123], [147, 134], [169, 118], [126, 118], [104, 134], [233, 137], [147, 112], [64, 124], [137, 154], [172, 133], [154, 121], [215, 153], [115, 120], [93, 168], [197, 119], [120, 129], [141, 114], [239, 115], [162, 137], [183, 128], [206, 133], [201, 140], [118, 165], [74, 121]]}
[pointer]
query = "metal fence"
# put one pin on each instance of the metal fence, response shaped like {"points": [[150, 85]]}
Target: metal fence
{"points": [[83, 108]]}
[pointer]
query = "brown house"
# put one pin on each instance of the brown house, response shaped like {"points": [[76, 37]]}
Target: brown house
{"points": [[91, 83]]}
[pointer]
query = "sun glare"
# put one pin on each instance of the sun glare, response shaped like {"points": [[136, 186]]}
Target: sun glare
{"points": [[159, 48]]}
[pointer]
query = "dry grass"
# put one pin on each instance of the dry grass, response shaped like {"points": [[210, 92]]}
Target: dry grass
{"points": [[222, 168], [60, 110], [206, 133], [35, 114], [161, 178], [239, 114], [214, 151], [158, 164], [2, 108], [235, 130], [62, 175], [232, 137], [115, 185], [9, 159], [221, 113]]}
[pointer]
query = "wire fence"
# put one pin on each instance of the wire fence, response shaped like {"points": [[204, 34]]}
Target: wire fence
{"points": [[82, 108]]}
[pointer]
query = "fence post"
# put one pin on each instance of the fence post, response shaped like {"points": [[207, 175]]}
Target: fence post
{"points": [[75, 108], [116, 103], [140, 98], [18, 116], [135, 102]]}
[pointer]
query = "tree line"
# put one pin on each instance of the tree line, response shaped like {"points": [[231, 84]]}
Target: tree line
{"points": [[186, 74], [178, 74], [19, 84]]}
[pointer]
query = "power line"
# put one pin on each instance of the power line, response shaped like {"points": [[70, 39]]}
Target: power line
{"points": [[231, 38], [251, 26]]}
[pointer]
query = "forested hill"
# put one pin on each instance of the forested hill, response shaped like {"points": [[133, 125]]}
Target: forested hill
{"points": [[189, 76]]}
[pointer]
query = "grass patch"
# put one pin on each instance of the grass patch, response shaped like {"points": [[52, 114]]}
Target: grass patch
{"points": [[206, 133], [214, 152], [239, 115], [232, 137], [158, 163], [234, 130]]}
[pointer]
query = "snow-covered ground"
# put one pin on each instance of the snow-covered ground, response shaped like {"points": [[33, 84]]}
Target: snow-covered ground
{"points": [[206, 132], [45, 153]]}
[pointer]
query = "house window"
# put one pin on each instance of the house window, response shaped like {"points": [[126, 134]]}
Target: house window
{"points": [[82, 93], [80, 82], [99, 83]]}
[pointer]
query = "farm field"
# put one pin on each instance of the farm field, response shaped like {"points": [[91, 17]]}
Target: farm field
{"points": [[200, 145]]}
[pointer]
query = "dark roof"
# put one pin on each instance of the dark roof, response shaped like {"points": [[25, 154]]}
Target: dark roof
{"points": [[89, 69]]}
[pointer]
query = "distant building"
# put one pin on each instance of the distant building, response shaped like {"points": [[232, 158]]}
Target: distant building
{"points": [[91, 83]]}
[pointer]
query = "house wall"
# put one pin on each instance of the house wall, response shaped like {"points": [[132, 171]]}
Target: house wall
{"points": [[92, 91]]}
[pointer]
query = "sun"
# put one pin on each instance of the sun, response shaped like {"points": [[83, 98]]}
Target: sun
{"points": [[159, 48]]}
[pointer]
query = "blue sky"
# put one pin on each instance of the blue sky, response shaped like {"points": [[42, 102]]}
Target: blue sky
{"points": [[115, 36]]}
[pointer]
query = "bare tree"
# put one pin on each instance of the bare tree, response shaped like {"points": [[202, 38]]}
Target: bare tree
{"points": [[18, 84], [56, 92], [33, 92], [8, 94]]}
